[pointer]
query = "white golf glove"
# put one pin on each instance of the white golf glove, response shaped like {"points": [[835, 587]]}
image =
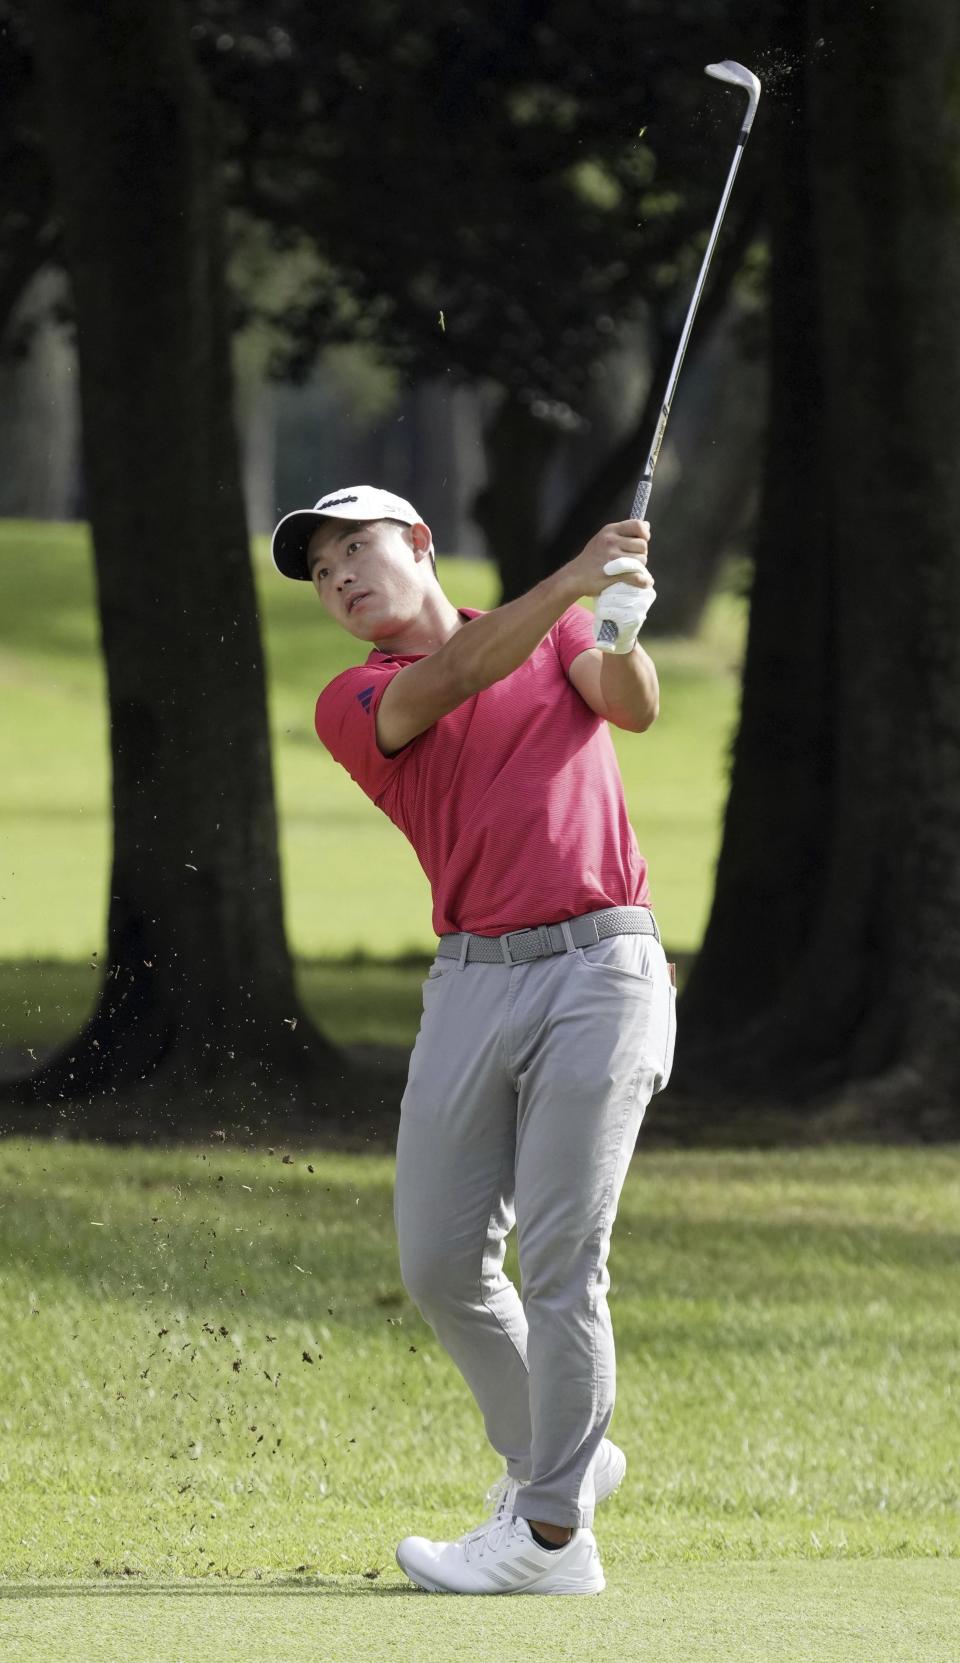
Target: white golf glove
{"points": [[621, 608]]}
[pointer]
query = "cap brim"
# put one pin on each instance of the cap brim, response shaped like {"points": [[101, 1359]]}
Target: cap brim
{"points": [[289, 545]]}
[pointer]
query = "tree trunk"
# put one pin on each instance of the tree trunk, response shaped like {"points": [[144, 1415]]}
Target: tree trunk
{"points": [[705, 508], [198, 1009], [39, 417], [830, 972], [508, 510], [607, 495], [18, 272], [596, 503]]}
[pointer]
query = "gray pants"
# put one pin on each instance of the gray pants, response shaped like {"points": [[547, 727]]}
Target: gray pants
{"points": [[526, 1090]]}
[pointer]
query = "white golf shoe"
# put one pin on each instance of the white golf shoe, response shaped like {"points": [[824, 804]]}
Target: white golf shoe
{"points": [[501, 1557], [608, 1473]]}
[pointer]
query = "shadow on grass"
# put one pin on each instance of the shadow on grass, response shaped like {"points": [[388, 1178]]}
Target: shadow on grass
{"points": [[124, 1587], [353, 1252]]}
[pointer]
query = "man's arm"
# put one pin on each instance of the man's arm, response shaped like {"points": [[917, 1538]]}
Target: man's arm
{"points": [[498, 643], [481, 653], [621, 687], [495, 645]]}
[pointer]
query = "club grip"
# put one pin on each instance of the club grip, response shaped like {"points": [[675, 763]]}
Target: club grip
{"points": [[639, 509]]}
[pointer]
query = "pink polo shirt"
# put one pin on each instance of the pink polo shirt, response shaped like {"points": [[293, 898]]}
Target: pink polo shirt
{"points": [[513, 802]]}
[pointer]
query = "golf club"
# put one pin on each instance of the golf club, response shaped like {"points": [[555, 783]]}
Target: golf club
{"points": [[607, 630]]}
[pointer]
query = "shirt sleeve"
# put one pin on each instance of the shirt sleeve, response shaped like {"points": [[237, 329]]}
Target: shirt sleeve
{"points": [[346, 726], [574, 634]]}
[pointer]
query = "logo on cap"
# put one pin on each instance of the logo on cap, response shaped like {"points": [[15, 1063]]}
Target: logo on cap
{"points": [[334, 502]]}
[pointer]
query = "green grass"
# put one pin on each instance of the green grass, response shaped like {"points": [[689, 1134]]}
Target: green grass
{"points": [[55, 831], [863, 1612], [788, 1392], [181, 1482], [353, 1003]]}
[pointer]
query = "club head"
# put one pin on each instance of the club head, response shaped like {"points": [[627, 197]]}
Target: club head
{"points": [[738, 76]]}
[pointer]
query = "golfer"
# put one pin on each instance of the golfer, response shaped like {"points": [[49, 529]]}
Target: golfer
{"points": [[548, 1012]]}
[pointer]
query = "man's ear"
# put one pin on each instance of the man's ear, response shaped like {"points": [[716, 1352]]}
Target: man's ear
{"points": [[422, 537]]}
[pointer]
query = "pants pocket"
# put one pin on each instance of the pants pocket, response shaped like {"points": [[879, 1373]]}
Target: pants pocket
{"points": [[664, 1075]]}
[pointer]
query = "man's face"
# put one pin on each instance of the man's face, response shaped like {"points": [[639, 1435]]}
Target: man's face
{"points": [[367, 574]]}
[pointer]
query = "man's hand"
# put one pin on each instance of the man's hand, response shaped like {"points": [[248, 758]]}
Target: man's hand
{"points": [[621, 610], [627, 538]]}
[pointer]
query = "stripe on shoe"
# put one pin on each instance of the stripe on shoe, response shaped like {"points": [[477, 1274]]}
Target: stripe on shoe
{"points": [[501, 1581]]}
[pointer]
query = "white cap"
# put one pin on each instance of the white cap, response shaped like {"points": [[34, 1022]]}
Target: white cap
{"points": [[354, 502]]}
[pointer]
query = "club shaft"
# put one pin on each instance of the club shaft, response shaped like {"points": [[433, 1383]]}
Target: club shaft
{"points": [[644, 488]]}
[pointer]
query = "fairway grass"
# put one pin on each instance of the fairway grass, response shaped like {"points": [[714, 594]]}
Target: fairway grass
{"points": [[351, 880], [859, 1612], [210, 1374]]}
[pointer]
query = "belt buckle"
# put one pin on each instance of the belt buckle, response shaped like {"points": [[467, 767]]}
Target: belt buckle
{"points": [[542, 933], [505, 941]]}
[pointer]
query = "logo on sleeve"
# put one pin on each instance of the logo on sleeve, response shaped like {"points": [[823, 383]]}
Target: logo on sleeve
{"points": [[365, 698]]}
